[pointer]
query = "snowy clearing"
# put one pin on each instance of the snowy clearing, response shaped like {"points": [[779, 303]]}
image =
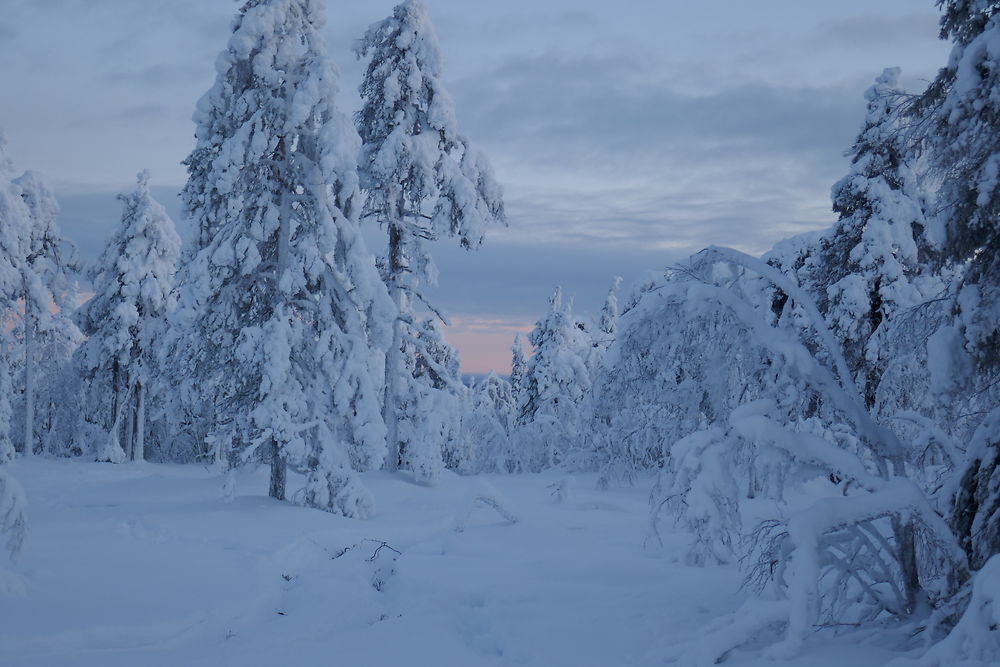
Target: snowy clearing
{"points": [[146, 565]]}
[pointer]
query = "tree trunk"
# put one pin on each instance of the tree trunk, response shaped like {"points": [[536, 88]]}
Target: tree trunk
{"points": [[139, 439], [29, 380], [129, 413], [279, 466], [906, 549], [394, 356], [279, 472], [115, 397]]}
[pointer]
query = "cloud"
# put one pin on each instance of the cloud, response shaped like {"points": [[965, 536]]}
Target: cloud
{"points": [[886, 30], [604, 150], [7, 34], [145, 112], [617, 110]]}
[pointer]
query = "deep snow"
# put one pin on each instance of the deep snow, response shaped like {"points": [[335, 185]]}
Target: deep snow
{"points": [[143, 564]]}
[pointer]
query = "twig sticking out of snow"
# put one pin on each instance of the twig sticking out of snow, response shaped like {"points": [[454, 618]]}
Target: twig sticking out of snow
{"points": [[383, 545], [381, 562], [561, 490], [383, 568]]}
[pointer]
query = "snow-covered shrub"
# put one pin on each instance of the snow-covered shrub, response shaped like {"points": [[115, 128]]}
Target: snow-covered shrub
{"points": [[782, 420], [698, 487], [676, 366]]}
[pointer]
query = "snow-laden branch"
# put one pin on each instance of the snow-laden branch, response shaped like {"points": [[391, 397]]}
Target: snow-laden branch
{"points": [[802, 362]]}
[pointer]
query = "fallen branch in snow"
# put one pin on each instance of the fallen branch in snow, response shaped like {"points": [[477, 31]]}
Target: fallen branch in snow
{"points": [[486, 497], [379, 548]]}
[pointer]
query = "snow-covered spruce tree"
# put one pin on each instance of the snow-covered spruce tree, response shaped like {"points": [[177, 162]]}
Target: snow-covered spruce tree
{"points": [[488, 426], [518, 366], [609, 316], [964, 365], [133, 294], [867, 270], [967, 155], [961, 113], [423, 180], [15, 229], [964, 103], [46, 332], [434, 410], [283, 321], [596, 336], [556, 379]]}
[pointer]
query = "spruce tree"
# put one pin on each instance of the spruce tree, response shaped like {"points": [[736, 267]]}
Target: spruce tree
{"points": [[609, 314], [283, 318], [518, 366], [964, 106], [868, 270], [47, 332], [15, 234], [133, 283], [556, 379], [424, 180]]}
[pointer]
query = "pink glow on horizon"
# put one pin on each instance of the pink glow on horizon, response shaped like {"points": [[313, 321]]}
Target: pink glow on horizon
{"points": [[484, 343]]}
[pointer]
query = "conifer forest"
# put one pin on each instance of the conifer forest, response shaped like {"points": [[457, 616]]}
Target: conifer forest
{"points": [[239, 434]]}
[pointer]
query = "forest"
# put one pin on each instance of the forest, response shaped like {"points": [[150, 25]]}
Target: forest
{"points": [[822, 422]]}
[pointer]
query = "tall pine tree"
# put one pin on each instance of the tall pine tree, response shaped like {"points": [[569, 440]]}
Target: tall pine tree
{"points": [[283, 317], [424, 180], [47, 332], [964, 102], [866, 272], [133, 283], [15, 230]]}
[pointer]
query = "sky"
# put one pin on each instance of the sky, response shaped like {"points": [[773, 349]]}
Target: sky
{"points": [[627, 135]]}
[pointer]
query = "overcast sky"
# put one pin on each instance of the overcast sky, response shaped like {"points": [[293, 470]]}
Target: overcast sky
{"points": [[627, 134]]}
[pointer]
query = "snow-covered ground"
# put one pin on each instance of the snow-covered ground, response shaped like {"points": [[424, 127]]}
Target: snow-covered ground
{"points": [[147, 565]]}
